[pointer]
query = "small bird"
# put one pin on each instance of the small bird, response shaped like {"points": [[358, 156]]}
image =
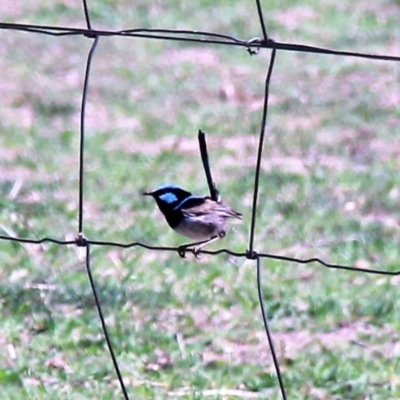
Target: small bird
{"points": [[199, 218]]}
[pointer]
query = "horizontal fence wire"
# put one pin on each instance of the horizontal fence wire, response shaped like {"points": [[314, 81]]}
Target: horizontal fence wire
{"points": [[253, 45], [173, 249], [194, 36]]}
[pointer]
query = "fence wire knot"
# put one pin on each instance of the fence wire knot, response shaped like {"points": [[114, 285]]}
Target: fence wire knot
{"points": [[80, 240], [91, 34], [253, 45], [251, 255]]}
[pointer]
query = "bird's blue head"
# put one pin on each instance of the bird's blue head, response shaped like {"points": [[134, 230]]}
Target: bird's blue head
{"points": [[168, 197]]}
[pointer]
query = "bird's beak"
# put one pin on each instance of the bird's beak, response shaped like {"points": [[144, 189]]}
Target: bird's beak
{"points": [[147, 193]]}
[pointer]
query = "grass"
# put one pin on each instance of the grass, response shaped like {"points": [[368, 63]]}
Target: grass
{"points": [[192, 329]]}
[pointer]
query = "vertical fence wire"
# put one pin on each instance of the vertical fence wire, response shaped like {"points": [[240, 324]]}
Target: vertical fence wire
{"points": [[268, 331], [103, 322], [82, 133], [260, 152], [261, 19], [86, 13]]}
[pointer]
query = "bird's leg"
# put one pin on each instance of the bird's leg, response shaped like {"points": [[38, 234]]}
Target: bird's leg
{"points": [[206, 243], [182, 249], [199, 245]]}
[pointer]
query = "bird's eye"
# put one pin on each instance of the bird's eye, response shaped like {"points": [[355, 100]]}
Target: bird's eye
{"points": [[168, 198]]}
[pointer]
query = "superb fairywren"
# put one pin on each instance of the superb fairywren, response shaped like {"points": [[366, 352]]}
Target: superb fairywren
{"points": [[199, 218]]}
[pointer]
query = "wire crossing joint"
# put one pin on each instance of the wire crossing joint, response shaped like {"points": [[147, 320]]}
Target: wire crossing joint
{"points": [[80, 240], [251, 255]]}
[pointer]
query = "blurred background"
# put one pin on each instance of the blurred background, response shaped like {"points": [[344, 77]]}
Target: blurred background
{"points": [[329, 188]]}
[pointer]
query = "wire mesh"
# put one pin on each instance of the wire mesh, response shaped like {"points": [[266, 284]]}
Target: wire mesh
{"points": [[253, 45]]}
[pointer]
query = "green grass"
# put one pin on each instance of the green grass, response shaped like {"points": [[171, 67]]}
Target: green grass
{"points": [[192, 329]]}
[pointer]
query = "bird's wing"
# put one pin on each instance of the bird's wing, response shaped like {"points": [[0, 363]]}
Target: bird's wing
{"points": [[197, 206]]}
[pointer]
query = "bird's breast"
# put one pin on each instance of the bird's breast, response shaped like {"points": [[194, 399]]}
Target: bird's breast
{"points": [[197, 229]]}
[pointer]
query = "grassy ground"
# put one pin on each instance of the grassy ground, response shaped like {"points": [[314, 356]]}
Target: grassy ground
{"points": [[186, 328]]}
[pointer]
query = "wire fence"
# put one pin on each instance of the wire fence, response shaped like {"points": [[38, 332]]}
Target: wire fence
{"points": [[253, 46]]}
